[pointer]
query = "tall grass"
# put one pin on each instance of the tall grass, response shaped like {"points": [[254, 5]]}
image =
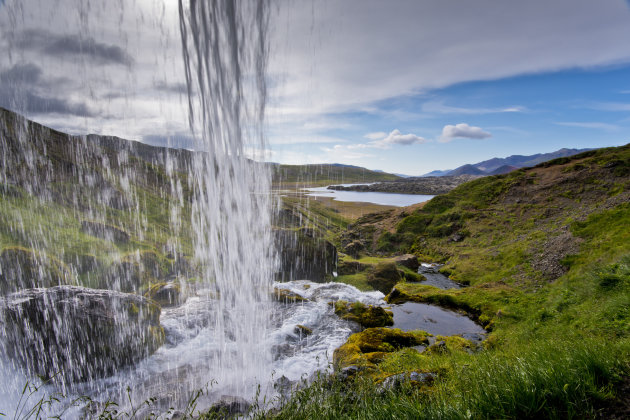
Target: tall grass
{"points": [[567, 378]]}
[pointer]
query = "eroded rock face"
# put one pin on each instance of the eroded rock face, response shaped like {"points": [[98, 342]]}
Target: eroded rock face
{"points": [[23, 268], [305, 256], [75, 334]]}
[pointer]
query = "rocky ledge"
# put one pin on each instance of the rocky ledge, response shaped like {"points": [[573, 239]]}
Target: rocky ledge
{"points": [[74, 333]]}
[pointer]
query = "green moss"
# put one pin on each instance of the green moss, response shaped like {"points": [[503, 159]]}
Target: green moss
{"points": [[367, 316], [367, 348]]}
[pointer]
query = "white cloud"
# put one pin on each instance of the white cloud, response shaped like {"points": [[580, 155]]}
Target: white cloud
{"points": [[396, 137], [462, 131], [593, 125], [376, 136], [439, 107]]}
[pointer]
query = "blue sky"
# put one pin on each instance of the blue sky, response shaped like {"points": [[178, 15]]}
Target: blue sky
{"points": [[577, 108], [405, 86]]}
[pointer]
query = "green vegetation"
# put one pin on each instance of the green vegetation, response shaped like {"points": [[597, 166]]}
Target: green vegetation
{"points": [[325, 174], [546, 254]]}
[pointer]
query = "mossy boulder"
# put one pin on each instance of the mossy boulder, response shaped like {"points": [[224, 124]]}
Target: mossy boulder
{"points": [[287, 296], [367, 316], [369, 347], [165, 294], [349, 267], [384, 276], [408, 260], [22, 268], [75, 334]]}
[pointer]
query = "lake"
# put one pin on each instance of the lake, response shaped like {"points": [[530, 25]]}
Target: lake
{"points": [[385, 199]]}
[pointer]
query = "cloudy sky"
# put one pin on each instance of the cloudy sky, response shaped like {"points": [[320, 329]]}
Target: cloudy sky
{"points": [[402, 86]]}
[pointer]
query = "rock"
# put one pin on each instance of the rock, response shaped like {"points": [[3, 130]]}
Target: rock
{"points": [[350, 267], [354, 248], [408, 260], [367, 316], [414, 378], [369, 347], [302, 330], [165, 294], [22, 268], [77, 333], [456, 237], [287, 296], [228, 407], [305, 256], [105, 231], [384, 277]]}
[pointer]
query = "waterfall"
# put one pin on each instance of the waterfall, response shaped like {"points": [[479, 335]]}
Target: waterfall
{"points": [[225, 54]]}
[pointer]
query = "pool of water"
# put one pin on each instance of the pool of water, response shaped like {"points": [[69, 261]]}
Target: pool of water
{"points": [[435, 320], [385, 199]]}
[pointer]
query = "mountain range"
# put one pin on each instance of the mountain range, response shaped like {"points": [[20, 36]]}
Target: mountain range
{"points": [[498, 166]]}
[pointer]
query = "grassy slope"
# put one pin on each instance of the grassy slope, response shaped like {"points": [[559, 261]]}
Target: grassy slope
{"points": [[546, 252], [287, 176]]}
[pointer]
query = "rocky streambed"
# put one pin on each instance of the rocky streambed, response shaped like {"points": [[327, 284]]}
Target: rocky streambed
{"points": [[113, 346]]}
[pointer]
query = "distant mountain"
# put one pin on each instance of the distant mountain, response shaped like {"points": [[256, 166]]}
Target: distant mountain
{"points": [[437, 173], [467, 170], [497, 166], [504, 169]]}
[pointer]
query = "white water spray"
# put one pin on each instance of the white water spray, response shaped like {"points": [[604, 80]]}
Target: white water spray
{"points": [[225, 54]]}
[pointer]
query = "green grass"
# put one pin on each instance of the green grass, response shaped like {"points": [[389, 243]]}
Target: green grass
{"points": [[547, 379]]}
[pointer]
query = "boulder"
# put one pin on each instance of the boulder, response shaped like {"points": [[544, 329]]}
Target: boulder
{"points": [[165, 294], [305, 256], [75, 334], [367, 316], [408, 260], [369, 347], [383, 277]]}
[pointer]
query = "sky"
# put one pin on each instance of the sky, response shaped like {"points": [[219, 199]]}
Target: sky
{"points": [[402, 86]]}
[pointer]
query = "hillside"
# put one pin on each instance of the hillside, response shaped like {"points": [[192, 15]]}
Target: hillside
{"points": [[325, 174], [545, 255]]}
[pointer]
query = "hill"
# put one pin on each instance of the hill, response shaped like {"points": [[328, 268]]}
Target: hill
{"points": [[544, 255], [325, 174]]}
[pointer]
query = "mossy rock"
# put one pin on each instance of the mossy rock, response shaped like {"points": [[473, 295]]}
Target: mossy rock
{"points": [[367, 316], [287, 296], [23, 268], [165, 294], [384, 276], [369, 347], [302, 330], [103, 331], [349, 267], [105, 231], [453, 343]]}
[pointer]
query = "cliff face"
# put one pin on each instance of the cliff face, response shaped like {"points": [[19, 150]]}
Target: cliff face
{"points": [[109, 213]]}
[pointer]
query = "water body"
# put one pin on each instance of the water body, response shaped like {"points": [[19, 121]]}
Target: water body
{"points": [[385, 199], [435, 320], [435, 278]]}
